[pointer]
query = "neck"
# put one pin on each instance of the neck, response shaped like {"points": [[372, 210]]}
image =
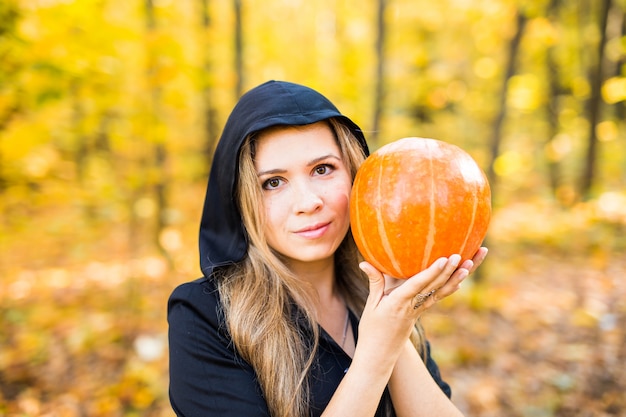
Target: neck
{"points": [[330, 306], [320, 277]]}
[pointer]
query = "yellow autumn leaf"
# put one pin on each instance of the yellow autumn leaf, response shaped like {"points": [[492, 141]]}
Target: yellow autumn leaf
{"points": [[614, 90]]}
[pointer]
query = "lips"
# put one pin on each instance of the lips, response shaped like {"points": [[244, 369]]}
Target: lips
{"points": [[314, 231]]}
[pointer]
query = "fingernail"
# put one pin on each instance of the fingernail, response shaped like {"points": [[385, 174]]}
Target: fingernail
{"points": [[455, 259], [441, 263]]}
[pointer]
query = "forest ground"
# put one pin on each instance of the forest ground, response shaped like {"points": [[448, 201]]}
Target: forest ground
{"points": [[545, 339]]}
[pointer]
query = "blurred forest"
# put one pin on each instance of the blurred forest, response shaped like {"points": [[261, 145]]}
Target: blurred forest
{"points": [[109, 112]]}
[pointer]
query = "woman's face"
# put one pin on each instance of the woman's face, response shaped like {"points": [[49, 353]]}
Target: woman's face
{"points": [[306, 191]]}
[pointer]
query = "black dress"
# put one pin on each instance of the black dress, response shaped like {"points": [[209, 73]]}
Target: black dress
{"points": [[209, 378]]}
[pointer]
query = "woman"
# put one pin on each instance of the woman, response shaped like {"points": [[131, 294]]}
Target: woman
{"points": [[286, 321]]}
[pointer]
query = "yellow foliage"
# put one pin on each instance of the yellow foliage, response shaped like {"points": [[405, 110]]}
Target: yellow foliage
{"points": [[559, 147], [512, 163], [580, 87], [486, 67], [607, 130], [525, 92], [541, 31], [614, 90]]}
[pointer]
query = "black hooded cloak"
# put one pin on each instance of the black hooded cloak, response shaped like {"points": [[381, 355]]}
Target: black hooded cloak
{"points": [[207, 375]]}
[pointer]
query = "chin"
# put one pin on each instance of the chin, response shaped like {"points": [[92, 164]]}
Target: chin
{"points": [[310, 257]]}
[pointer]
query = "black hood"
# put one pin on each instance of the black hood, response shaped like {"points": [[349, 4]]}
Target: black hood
{"points": [[223, 239]]}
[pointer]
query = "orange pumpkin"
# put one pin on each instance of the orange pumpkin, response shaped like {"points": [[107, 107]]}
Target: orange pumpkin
{"points": [[416, 200]]}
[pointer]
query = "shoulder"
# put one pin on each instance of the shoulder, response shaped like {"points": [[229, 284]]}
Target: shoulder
{"points": [[199, 290], [196, 323], [207, 375], [195, 301]]}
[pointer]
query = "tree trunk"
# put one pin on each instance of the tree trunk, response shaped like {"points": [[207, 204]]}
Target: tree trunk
{"points": [[161, 182], [553, 104], [5, 119], [379, 95], [9, 17], [496, 135], [596, 78], [238, 49], [620, 107], [210, 128]]}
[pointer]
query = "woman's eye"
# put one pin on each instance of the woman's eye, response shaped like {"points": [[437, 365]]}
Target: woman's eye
{"points": [[271, 183], [323, 169]]}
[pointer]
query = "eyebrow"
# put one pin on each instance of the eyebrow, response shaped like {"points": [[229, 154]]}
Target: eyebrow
{"points": [[311, 162]]}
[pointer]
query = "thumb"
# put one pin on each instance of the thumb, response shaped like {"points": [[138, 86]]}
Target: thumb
{"points": [[376, 280]]}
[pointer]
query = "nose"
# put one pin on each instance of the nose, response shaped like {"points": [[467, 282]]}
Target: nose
{"points": [[307, 198]]}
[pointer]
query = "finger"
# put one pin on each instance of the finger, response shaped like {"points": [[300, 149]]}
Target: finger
{"points": [[433, 277], [446, 284], [376, 281], [467, 264], [452, 285], [478, 258], [449, 269]]}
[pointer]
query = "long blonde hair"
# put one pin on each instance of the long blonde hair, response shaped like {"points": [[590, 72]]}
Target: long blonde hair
{"points": [[265, 304]]}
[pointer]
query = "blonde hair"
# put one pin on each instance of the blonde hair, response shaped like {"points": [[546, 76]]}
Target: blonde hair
{"points": [[265, 305]]}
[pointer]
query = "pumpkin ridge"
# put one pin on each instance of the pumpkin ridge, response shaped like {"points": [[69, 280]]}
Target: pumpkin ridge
{"points": [[363, 245], [382, 230], [470, 229], [430, 238]]}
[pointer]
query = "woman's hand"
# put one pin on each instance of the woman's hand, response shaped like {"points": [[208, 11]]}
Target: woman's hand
{"points": [[451, 286], [394, 305]]}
